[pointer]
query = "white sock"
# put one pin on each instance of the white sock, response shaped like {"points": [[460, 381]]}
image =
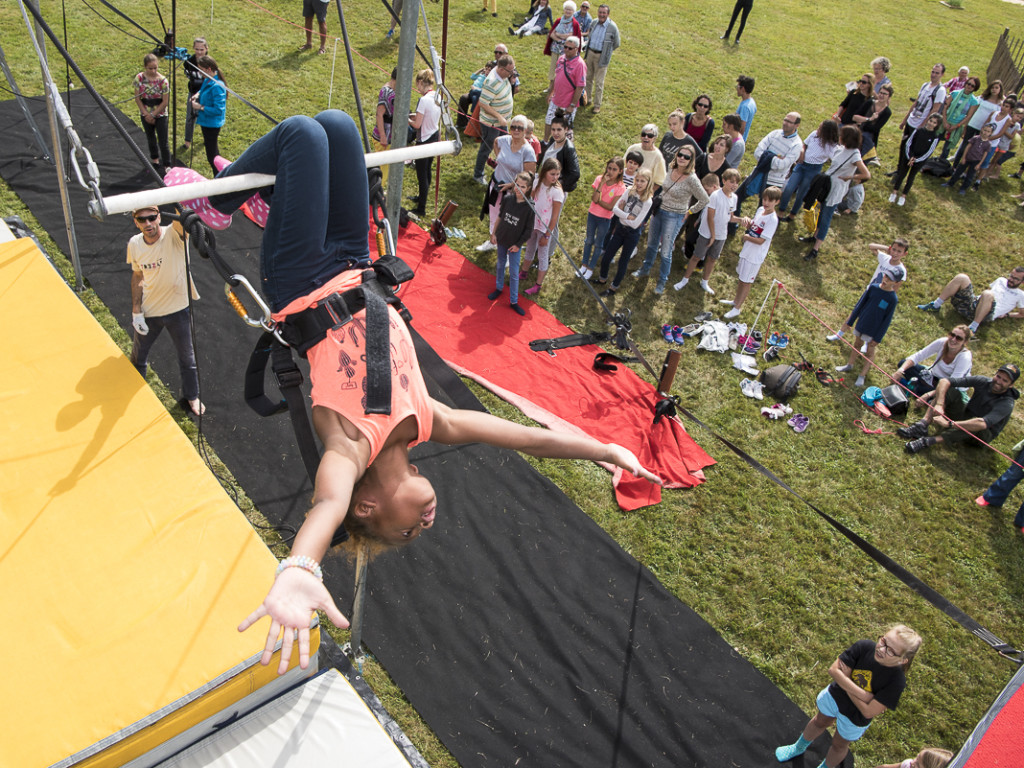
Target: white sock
{"points": [[973, 327], [859, 382], [732, 313], [681, 284], [706, 287], [938, 302]]}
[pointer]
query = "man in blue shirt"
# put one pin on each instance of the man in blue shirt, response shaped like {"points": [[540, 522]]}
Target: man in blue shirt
{"points": [[748, 107], [603, 40]]}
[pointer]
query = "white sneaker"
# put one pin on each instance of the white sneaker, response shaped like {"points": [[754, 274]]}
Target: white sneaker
{"points": [[681, 284], [833, 337], [892, 198], [732, 313], [902, 200], [730, 302], [487, 246], [844, 368], [752, 389], [707, 288], [587, 273]]}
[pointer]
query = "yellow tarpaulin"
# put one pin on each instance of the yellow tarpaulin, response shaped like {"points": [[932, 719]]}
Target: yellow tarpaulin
{"points": [[124, 566]]}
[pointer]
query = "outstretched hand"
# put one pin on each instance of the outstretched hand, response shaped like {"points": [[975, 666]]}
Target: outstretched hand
{"points": [[625, 459], [290, 604]]}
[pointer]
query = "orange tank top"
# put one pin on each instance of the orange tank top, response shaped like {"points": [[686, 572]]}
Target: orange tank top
{"points": [[337, 368]]}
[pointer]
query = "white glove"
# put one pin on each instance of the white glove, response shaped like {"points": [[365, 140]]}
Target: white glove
{"points": [[139, 323]]}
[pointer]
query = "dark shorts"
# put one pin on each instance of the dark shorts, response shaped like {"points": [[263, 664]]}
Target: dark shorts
{"points": [[314, 8], [965, 302]]}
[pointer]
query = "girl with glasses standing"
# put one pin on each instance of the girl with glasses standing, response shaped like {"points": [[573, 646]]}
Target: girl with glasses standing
{"points": [[881, 666]]}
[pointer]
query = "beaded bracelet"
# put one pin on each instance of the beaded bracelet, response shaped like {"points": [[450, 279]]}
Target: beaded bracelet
{"points": [[304, 562]]}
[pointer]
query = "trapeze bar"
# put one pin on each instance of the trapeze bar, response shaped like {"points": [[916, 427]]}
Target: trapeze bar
{"points": [[164, 195]]}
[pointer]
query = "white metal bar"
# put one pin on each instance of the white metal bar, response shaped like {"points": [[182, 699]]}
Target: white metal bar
{"points": [[165, 195]]}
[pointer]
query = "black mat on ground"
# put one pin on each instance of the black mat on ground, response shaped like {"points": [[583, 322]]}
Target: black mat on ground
{"points": [[520, 631]]}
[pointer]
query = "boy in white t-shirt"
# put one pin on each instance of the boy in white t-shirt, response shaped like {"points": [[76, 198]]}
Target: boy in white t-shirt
{"points": [[890, 262], [714, 226], [756, 241]]}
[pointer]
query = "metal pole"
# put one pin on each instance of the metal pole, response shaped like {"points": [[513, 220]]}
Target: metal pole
{"points": [[58, 153], [358, 606], [403, 96]]}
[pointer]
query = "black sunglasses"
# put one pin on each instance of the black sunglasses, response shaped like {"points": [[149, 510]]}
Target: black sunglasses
{"points": [[646, 135], [684, 156], [147, 219]]}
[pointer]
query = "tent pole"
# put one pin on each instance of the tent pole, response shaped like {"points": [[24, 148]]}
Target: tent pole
{"points": [[58, 156]]}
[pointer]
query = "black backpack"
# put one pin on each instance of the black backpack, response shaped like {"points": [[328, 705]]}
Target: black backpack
{"points": [[781, 381], [937, 166]]}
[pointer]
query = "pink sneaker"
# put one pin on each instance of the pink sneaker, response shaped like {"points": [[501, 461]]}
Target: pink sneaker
{"points": [[533, 290], [980, 501], [220, 163], [213, 218]]}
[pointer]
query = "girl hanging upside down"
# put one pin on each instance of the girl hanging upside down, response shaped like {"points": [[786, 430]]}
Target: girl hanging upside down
{"points": [[315, 244]]}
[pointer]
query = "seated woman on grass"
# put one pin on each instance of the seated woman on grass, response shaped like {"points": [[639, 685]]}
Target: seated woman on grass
{"points": [[365, 480]]}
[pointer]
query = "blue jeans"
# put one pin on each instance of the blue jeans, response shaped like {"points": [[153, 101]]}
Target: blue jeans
{"points": [[824, 221], [620, 237], [798, 184], [511, 259], [597, 231], [999, 490], [178, 325], [661, 237], [320, 223]]}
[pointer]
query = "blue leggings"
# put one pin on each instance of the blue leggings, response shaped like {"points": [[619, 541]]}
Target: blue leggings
{"points": [[319, 218]]}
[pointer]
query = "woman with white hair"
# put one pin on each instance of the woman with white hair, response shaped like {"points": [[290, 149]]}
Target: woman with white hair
{"points": [[512, 155], [561, 30]]}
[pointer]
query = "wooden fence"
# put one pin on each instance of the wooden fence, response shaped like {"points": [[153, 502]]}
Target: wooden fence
{"points": [[1008, 63]]}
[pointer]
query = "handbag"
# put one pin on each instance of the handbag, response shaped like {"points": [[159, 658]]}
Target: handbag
{"points": [[811, 216]]}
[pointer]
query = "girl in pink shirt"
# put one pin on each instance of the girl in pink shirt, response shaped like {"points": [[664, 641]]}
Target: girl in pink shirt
{"points": [[608, 188]]}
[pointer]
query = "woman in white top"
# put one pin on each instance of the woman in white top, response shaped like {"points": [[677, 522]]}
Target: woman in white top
{"points": [[952, 360], [1005, 127], [847, 168], [547, 201], [991, 98], [425, 121], [818, 148]]}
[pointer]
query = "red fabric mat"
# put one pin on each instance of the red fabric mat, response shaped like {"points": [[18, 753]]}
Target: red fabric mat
{"points": [[1003, 739], [489, 343]]}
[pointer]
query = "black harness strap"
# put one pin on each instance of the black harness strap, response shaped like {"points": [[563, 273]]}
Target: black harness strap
{"points": [[572, 340]]}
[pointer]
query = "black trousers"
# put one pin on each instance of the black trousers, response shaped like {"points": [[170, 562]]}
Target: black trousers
{"points": [[741, 5]]}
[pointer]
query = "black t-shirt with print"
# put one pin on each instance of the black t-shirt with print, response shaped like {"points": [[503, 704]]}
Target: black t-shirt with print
{"points": [[886, 683]]}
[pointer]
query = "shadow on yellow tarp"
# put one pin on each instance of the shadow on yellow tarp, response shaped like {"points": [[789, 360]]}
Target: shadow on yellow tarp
{"points": [[125, 568]]}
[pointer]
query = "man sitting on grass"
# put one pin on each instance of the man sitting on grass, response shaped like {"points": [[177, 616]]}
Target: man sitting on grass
{"points": [[984, 415], [1004, 298]]}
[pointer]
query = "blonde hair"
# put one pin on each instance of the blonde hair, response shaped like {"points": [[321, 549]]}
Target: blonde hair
{"points": [[426, 77], [933, 757], [649, 191], [910, 639]]}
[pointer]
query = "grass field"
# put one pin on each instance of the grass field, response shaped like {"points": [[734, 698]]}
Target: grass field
{"points": [[767, 573]]}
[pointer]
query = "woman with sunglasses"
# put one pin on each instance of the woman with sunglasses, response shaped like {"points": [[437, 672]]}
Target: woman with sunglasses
{"points": [[682, 194], [513, 155], [699, 124], [858, 101], [960, 108], [952, 360], [716, 161]]}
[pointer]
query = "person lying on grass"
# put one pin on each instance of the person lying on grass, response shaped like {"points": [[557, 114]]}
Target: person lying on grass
{"points": [[365, 480]]}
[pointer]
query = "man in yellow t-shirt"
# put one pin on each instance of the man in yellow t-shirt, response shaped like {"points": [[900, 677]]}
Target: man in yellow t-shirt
{"points": [[160, 283]]}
